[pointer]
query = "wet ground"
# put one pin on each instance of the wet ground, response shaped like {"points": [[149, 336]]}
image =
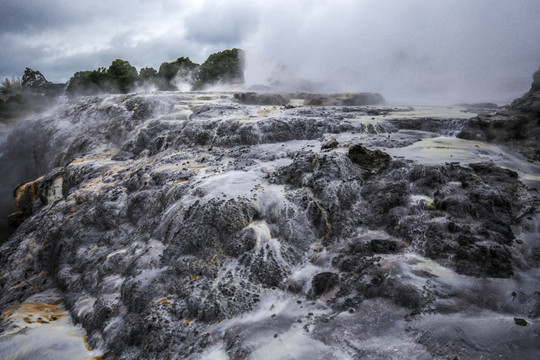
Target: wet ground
{"points": [[190, 225]]}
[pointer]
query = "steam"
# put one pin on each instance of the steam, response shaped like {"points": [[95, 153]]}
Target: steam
{"points": [[414, 51]]}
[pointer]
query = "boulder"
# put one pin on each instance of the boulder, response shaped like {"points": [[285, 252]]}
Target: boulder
{"points": [[323, 283], [370, 160]]}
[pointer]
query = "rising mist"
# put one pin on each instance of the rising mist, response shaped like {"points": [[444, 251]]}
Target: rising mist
{"points": [[414, 51]]}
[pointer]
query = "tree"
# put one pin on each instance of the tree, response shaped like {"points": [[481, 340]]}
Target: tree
{"points": [[181, 68], [147, 73], [119, 77], [224, 66], [11, 87], [89, 83], [123, 75]]}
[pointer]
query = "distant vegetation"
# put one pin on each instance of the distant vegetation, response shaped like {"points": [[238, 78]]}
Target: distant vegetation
{"points": [[121, 77], [32, 93], [226, 67]]}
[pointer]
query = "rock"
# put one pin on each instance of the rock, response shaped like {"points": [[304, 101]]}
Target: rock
{"points": [[375, 246], [517, 124], [383, 246], [330, 144], [323, 283], [25, 196], [33, 79], [520, 322], [159, 227], [477, 106], [371, 160], [480, 260], [344, 99], [253, 98]]}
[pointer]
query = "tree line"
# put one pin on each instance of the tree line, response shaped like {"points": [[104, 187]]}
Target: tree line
{"points": [[121, 77], [33, 92]]}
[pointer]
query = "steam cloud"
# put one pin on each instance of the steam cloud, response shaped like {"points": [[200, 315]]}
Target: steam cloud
{"points": [[419, 51]]}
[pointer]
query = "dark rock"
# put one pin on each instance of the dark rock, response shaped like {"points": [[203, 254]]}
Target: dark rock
{"points": [[33, 79], [330, 144], [383, 246], [520, 322], [323, 283], [476, 106], [371, 160], [253, 98], [517, 124], [344, 99], [375, 246], [480, 260]]}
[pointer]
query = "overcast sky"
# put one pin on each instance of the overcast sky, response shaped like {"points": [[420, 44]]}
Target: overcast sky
{"points": [[481, 50]]}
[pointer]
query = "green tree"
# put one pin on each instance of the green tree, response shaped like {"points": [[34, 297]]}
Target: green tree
{"points": [[11, 87], [182, 68], [123, 75], [89, 83], [147, 73], [225, 66]]}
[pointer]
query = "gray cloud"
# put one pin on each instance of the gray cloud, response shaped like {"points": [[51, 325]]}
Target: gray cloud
{"points": [[223, 23], [419, 49], [22, 16]]}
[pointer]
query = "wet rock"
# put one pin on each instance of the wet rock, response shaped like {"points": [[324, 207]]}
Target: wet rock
{"points": [[141, 107], [375, 246], [518, 124], [480, 260], [253, 98], [382, 246], [371, 160], [154, 238], [323, 283], [329, 145], [435, 125], [25, 196], [475, 106], [530, 101]]}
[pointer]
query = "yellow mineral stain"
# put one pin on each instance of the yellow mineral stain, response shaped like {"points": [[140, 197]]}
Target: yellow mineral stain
{"points": [[23, 189], [87, 347], [164, 301], [196, 167]]}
